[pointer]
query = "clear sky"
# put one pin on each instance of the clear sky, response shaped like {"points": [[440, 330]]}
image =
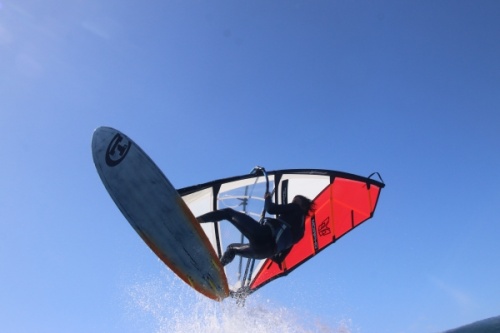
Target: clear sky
{"points": [[209, 89]]}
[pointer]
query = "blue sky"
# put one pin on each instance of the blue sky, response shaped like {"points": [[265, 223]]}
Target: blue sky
{"points": [[211, 89]]}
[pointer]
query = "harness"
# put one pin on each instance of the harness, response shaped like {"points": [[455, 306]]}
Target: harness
{"points": [[276, 230]]}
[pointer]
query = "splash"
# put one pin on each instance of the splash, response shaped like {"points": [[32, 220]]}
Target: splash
{"points": [[166, 305]]}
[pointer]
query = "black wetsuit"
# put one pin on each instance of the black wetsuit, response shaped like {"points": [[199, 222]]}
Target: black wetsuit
{"points": [[266, 239]]}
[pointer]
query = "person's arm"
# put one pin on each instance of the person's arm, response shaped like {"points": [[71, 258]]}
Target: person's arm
{"points": [[275, 209]]}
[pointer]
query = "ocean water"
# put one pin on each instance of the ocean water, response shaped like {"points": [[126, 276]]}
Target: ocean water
{"points": [[489, 325], [166, 305]]}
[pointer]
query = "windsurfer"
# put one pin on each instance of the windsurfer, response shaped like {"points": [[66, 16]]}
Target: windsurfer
{"points": [[269, 239]]}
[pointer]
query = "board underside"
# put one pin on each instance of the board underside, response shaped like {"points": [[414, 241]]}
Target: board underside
{"points": [[157, 213]]}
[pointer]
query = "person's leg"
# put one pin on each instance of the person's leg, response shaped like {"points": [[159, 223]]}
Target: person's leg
{"points": [[246, 251], [260, 237], [234, 249], [252, 230]]}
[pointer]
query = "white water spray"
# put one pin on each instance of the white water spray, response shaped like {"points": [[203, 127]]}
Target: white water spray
{"points": [[167, 305]]}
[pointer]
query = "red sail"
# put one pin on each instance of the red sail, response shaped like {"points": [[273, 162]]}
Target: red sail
{"points": [[339, 208]]}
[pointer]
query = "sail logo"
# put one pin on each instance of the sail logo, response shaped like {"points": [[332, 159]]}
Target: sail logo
{"points": [[324, 228], [117, 150]]}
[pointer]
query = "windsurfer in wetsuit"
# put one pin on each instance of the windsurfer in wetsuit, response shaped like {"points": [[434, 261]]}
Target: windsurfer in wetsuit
{"points": [[269, 239]]}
